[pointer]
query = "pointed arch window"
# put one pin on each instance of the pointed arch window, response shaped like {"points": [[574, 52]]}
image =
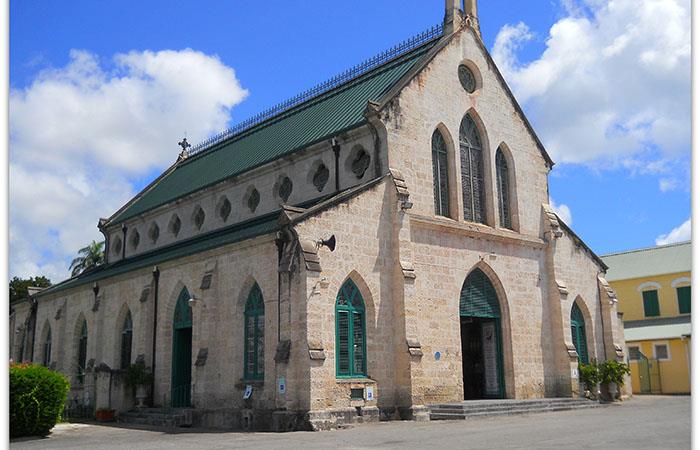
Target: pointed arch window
{"points": [[503, 190], [350, 342], [82, 352], [46, 357], [440, 181], [471, 159], [254, 354], [578, 333], [126, 335]]}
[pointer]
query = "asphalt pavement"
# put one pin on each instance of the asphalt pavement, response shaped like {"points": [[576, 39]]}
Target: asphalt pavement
{"points": [[644, 422]]}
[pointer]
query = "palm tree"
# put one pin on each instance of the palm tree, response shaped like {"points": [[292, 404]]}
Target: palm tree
{"points": [[91, 256]]}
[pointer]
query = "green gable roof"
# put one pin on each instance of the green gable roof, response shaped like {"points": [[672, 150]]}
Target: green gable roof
{"points": [[315, 120], [649, 262]]}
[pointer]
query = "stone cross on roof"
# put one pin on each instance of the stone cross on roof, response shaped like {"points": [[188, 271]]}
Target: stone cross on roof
{"points": [[184, 144]]}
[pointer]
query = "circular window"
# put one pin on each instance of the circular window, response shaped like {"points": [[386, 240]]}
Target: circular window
{"points": [[285, 189], [154, 232], [135, 239], [224, 208], [253, 200], [174, 225], [467, 78], [320, 177], [198, 217], [117, 246]]}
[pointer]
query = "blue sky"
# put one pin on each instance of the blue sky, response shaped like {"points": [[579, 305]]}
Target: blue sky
{"points": [[623, 166]]}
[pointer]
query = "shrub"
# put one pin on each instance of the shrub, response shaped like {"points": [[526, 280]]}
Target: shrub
{"points": [[613, 372], [137, 374], [589, 375], [37, 398]]}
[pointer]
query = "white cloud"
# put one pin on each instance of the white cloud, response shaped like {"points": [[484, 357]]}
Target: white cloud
{"points": [[679, 234], [81, 135], [562, 211], [668, 184], [613, 80]]}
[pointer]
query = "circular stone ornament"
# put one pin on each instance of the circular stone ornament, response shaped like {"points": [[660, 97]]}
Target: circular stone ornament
{"points": [[467, 78]]}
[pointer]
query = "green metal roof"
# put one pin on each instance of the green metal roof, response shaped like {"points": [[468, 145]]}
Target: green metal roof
{"points": [[245, 230], [648, 262], [319, 118]]}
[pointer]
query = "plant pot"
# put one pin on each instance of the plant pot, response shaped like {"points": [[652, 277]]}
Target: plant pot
{"points": [[141, 395], [612, 390], [104, 415]]}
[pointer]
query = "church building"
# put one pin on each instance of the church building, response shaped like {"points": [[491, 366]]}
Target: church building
{"points": [[378, 244]]}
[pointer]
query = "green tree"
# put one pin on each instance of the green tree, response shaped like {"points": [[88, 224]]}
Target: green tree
{"points": [[91, 256], [18, 286]]}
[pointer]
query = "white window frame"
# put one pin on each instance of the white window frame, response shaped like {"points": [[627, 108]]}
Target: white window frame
{"points": [[668, 350], [639, 350]]}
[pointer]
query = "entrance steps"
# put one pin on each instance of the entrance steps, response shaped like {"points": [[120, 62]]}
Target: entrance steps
{"points": [[158, 417], [487, 408]]}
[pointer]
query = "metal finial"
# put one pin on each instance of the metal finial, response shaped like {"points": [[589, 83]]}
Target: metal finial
{"points": [[184, 144]]}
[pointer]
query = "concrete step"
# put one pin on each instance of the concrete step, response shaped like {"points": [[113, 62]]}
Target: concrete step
{"points": [[160, 417], [460, 411]]}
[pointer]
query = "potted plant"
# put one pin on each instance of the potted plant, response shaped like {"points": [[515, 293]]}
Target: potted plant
{"points": [[613, 374], [139, 377], [104, 415], [589, 375]]}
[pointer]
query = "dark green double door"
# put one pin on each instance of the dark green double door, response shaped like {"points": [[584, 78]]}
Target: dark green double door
{"points": [[181, 381], [480, 329]]}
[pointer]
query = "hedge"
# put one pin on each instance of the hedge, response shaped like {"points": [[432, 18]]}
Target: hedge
{"points": [[37, 397]]}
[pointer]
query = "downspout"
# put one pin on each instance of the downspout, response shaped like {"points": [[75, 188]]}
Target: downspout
{"points": [[123, 240], [156, 277], [602, 322], [33, 319], [280, 245], [336, 151]]}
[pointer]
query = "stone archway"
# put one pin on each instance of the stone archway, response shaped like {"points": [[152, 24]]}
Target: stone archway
{"points": [[181, 375], [481, 338]]}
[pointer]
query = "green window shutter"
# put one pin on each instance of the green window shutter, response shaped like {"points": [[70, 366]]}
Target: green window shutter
{"points": [[478, 297], [351, 353], [440, 181], [503, 187], [471, 158], [82, 353], [683, 299], [254, 336], [578, 333], [343, 343], [651, 303], [47, 349]]}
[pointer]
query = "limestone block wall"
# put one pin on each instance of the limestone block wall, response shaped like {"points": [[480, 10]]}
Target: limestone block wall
{"points": [[363, 228], [443, 258], [434, 99], [217, 321], [300, 167], [18, 330], [577, 271]]}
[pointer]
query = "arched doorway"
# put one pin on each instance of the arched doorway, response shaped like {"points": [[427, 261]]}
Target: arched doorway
{"points": [[578, 333], [482, 349], [182, 353]]}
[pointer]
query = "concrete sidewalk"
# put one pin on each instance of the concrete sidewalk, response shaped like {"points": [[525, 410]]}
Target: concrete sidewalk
{"points": [[645, 422]]}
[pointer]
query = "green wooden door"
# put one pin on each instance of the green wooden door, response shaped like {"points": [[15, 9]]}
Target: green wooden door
{"points": [[182, 353], [481, 327], [578, 334]]}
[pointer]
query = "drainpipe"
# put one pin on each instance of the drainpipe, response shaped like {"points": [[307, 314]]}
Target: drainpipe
{"points": [[156, 277], [336, 151], [33, 319], [602, 322], [280, 245], [123, 240]]}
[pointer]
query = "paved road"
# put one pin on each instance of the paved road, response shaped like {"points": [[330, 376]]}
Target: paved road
{"points": [[641, 423]]}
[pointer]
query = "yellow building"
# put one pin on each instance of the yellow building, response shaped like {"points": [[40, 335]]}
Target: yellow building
{"points": [[653, 290]]}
